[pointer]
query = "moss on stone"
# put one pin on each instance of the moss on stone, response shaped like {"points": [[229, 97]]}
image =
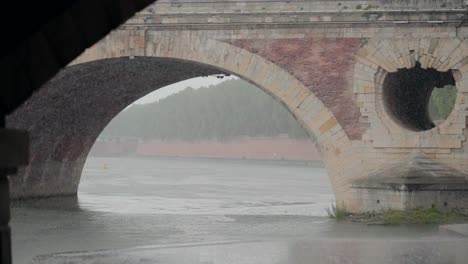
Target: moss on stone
{"points": [[429, 216], [416, 216], [337, 212]]}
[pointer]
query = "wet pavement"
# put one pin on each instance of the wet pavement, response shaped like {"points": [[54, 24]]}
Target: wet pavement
{"points": [[281, 252]]}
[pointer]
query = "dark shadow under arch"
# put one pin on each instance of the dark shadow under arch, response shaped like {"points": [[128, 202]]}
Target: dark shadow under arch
{"points": [[406, 95], [68, 113]]}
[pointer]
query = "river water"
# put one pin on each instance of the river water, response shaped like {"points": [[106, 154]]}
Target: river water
{"points": [[165, 210]]}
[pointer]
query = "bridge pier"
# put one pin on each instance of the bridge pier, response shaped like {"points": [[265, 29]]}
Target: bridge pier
{"points": [[414, 182], [5, 233], [13, 153]]}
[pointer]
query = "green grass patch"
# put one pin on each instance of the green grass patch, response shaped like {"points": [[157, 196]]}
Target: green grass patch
{"points": [[337, 212], [397, 217], [419, 216], [400, 217]]}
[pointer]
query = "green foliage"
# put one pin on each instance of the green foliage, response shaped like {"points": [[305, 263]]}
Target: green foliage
{"points": [[231, 109], [419, 216], [398, 217], [442, 102], [337, 212]]}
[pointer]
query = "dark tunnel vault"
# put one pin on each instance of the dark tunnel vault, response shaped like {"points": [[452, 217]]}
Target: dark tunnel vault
{"points": [[406, 95], [69, 112]]}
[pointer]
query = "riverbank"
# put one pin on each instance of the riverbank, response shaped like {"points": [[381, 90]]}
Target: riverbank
{"points": [[400, 217], [308, 163], [248, 148]]}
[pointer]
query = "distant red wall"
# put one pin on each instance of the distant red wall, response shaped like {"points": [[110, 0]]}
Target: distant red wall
{"points": [[115, 148], [248, 148]]}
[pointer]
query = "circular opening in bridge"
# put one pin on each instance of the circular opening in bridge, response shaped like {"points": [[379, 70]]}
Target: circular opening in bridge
{"points": [[419, 99]]}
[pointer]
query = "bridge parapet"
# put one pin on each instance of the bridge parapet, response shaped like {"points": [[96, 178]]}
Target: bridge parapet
{"points": [[258, 6], [425, 4], [274, 6], [263, 13]]}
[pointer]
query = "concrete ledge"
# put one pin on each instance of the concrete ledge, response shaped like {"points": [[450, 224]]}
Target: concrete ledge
{"points": [[413, 173], [412, 183]]}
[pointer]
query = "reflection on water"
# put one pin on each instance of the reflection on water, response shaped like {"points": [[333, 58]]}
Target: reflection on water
{"points": [[223, 211]]}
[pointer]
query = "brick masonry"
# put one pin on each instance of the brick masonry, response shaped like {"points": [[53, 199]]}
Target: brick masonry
{"points": [[65, 129], [325, 66]]}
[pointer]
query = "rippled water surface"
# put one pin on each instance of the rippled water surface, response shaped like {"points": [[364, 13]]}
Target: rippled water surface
{"points": [[215, 208]]}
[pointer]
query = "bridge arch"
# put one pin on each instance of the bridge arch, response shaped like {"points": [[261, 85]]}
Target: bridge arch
{"points": [[189, 46], [383, 59], [81, 100]]}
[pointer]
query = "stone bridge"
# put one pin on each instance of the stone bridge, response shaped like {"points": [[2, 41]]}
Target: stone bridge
{"points": [[356, 74]]}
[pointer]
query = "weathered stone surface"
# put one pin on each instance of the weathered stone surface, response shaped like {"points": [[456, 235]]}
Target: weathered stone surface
{"points": [[326, 63], [416, 172], [414, 182], [323, 65], [64, 126]]}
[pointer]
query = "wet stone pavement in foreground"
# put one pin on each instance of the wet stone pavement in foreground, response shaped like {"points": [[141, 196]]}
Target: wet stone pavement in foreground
{"points": [[281, 252]]}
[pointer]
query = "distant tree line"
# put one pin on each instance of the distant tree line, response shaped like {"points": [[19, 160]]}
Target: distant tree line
{"points": [[229, 110], [442, 102]]}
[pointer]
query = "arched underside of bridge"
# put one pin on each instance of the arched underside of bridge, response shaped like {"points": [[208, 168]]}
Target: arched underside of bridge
{"points": [[48, 36], [68, 113]]}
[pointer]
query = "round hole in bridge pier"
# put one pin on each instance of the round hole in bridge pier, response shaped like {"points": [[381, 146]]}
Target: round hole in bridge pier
{"points": [[419, 99]]}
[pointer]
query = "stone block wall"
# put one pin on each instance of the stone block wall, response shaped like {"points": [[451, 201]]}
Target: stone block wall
{"points": [[340, 72], [384, 199], [327, 68]]}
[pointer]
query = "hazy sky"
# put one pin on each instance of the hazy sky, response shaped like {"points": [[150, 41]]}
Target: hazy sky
{"points": [[177, 87]]}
